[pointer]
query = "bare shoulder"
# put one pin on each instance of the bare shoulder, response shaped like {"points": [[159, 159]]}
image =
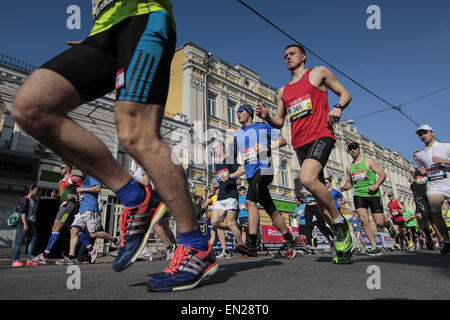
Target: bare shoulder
{"points": [[321, 71], [280, 92]]}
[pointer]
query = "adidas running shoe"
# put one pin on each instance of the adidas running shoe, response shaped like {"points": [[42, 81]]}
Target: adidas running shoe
{"points": [[187, 268], [135, 226]]}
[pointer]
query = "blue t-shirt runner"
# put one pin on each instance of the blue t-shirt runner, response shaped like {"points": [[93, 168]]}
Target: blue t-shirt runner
{"points": [[336, 195], [356, 224], [300, 214], [245, 142], [89, 200]]}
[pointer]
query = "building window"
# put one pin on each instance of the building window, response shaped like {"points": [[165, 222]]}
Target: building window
{"points": [[231, 110], [212, 105], [284, 176], [124, 159], [7, 132]]}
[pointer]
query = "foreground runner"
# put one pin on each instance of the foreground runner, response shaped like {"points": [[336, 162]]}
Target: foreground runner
{"points": [[435, 158], [129, 49], [304, 100], [67, 209], [255, 141], [361, 175]]}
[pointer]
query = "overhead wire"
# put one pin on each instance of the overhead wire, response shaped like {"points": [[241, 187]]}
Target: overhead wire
{"points": [[392, 106]]}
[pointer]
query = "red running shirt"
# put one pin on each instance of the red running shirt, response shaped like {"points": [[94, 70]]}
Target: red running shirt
{"points": [[393, 206], [307, 109]]}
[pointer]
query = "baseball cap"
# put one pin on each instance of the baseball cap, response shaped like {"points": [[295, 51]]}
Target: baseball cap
{"points": [[246, 107], [352, 145], [424, 127]]}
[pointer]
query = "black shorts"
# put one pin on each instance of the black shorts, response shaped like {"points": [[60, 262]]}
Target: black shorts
{"points": [[133, 57], [400, 224], [258, 191], [374, 203], [302, 230], [319, 150], [423, 207]]}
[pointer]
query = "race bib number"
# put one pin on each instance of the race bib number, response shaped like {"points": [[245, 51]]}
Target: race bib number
{"points": [[223, 173], [421, 179], [359, 176], [249, 155], [300, 108], [436, 172], [120, 79]]}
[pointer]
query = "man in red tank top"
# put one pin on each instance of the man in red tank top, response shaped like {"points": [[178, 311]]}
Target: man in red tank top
{"points": [[304, 101]]}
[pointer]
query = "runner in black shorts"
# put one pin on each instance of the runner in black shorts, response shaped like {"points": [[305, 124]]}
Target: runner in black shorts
{"points": [[129, 50], [418, 185], [255, 142]]}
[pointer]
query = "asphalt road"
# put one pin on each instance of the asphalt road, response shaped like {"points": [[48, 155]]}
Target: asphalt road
{"points": [[395, 275]]}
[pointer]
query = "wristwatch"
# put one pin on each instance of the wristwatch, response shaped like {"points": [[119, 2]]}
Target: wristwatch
{"points": [[337, 105]]}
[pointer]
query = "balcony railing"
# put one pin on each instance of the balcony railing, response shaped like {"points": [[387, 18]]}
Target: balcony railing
{"points": [[17, 64]]}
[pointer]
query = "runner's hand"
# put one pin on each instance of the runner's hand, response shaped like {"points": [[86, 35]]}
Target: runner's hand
{"points": [[437, 159], [373, 188], [342, 188], [73, 43], [262, 110], [334, 115]]}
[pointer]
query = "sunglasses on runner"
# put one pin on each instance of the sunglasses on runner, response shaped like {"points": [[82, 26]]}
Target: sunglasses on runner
{"points": [[352, 148]]}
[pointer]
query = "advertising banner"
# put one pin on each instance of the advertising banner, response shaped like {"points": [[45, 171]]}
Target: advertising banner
{"points": [[206, 227], [272, 239]]}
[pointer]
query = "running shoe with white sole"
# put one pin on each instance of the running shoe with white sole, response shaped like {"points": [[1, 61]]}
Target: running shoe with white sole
{"points": [[40, 259], [136, 225], [65, 262], [93, 255], [186, 269]]}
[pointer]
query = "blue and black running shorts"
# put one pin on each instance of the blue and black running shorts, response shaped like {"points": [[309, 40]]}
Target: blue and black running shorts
{"points": [[133, 57]]}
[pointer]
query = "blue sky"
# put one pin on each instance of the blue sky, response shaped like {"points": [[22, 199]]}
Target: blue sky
{"points": [[407, 58]]}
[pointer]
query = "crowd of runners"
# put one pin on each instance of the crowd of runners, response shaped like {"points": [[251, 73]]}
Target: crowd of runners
{"points": [[129, 50]]}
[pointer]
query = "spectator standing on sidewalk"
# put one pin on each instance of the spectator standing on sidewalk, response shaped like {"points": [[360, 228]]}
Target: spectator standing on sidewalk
{"points": [[25, 226]]}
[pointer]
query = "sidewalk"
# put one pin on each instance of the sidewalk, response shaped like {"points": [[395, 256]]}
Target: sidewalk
{"points": [[100, 259]]}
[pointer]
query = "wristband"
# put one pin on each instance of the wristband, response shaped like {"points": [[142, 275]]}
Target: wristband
{"points": [[339, 106]]}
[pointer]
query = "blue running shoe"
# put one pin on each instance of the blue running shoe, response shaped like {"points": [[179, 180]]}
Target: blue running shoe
{"points": [[187, 268], [135, 226]]}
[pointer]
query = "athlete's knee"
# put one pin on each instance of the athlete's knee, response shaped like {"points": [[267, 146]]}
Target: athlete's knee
{"points": [[308, 180]]}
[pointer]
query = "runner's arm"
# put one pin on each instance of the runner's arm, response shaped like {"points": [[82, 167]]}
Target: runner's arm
{"points": [[348, 184], [330, 81], [239, 172], [95, 188], [372, 165], [276, 121]]}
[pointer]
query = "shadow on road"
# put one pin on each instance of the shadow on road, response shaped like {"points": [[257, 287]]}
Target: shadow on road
{"points": [[227, 271]]}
